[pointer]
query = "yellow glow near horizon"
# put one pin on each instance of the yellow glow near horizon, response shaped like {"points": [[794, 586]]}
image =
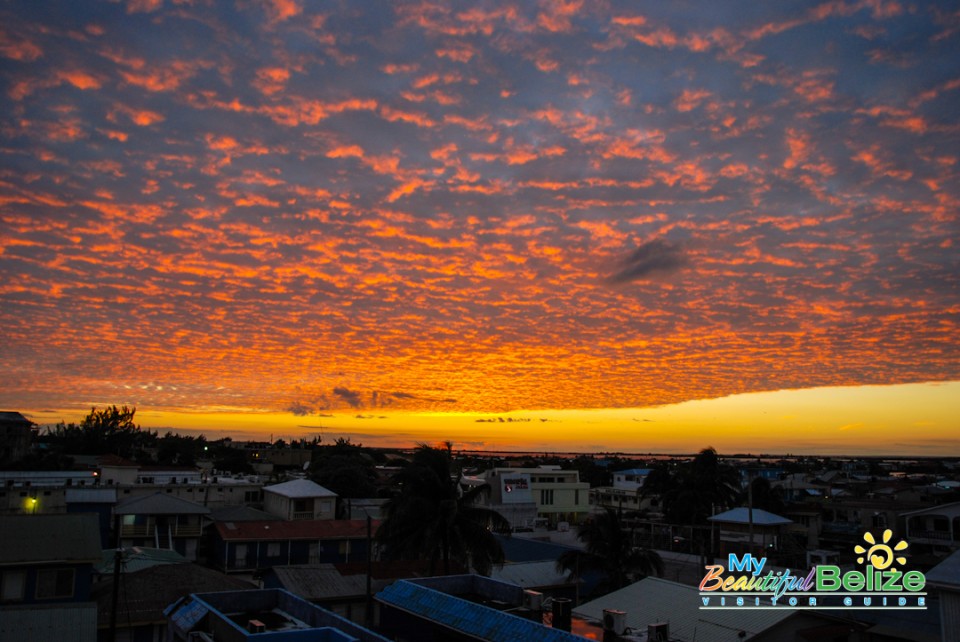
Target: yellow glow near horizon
{"points": [[909, 419]]}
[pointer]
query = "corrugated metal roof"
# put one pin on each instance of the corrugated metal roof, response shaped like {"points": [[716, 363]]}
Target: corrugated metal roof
{"points": [[61, 622], [67, 537], [466, 617], [946, 573], [241, 514], [633, 471], [299, 529], [322, 582], [138, 558], [655, 600], [531, 574], [159, 504], [145, 594], [300, 488], [741, 515]]}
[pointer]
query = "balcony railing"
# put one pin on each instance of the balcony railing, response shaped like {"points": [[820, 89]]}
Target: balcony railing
{"points": [[150, 529], [937, 535], [303, 514]]}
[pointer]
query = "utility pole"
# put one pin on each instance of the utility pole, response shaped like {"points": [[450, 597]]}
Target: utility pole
{"points": [[369, 568], [117, 562], [750, 509]]}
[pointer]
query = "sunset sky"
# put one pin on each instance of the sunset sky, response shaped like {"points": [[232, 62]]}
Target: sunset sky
{"points": [[597, 225]]}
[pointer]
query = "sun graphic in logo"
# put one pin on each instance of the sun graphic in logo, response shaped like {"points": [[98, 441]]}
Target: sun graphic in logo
{"points": [[880, 555]]}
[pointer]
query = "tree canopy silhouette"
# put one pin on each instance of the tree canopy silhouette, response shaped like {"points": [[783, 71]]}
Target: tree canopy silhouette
{"points": [[609, 550], [432, 518], [110, 430]]}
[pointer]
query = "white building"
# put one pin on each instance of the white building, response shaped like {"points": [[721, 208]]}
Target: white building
{"points": [[625, 494], [300, 499], [535, 496]]}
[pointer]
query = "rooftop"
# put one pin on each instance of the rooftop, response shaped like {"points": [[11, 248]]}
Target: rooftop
{"points": [[465, 617], [947, 573], [299, 489], [678, 605], [159, 504], [300, 529], [69, 537], [138, 558], [145, 593], [276, 609], [11, 417], [741, 515]]}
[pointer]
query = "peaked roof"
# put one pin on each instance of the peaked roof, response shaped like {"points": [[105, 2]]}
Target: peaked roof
{"points": [[299, 489], [322, 582], [741, 515], [947, 573], [116, 461], [655, 600], [137, 558], [531, 575], [159, 504], [12, 417], [468, 618], [144, 594], [68, 537], [241, 514], [633, 471]]}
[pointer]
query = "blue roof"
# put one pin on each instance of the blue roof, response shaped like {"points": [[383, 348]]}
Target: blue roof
{"points": [[466, 617], [634, 471]]}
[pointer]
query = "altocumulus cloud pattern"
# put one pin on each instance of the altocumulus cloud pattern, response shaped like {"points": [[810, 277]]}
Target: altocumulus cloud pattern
{"points": [[473, 206]]}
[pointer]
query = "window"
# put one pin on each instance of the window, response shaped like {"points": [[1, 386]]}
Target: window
{"points": [[345, 547], [546, 497], [56, 583], [273, 549], [11, 585], [576, 497]]}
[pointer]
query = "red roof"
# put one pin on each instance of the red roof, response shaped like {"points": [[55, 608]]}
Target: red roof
{"points": [[300, 529], [116, 461]]}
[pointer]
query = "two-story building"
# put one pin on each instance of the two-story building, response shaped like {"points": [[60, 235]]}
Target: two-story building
{"points": [[936, 528], [557, 495], [626, 494], [46, 573], [300, 499], [253, 545], [162, 521]]}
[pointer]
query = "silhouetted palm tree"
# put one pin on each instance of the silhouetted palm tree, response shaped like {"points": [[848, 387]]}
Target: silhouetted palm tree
{"points": [[609, 550], [701, 488], [432, 518]]}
